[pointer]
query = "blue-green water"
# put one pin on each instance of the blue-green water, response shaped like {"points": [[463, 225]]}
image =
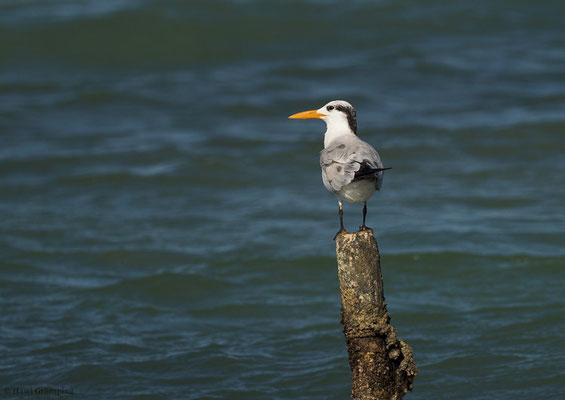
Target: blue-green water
{"points": [[165, 232]]}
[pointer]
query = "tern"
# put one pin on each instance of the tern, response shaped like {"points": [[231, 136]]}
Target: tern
{"points": [[351, 168]]}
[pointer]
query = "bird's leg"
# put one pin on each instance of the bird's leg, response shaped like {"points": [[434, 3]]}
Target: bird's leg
{"points": [[341, 228], [364, 227]]}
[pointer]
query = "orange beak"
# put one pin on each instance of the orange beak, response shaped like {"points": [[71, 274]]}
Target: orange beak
{"points": [[307, 115]]}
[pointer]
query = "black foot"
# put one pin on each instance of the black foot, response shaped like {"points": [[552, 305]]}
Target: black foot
{"points": [[342, 230], [365, 228]]}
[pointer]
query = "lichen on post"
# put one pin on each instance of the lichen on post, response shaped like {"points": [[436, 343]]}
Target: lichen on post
{"points": [[382, 365]]}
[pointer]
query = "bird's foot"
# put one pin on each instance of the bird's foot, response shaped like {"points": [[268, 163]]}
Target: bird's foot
{"points": [[365, 228], [342, 230]]}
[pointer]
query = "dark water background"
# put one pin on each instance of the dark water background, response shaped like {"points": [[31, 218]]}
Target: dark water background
{"points": [[165, 233]]}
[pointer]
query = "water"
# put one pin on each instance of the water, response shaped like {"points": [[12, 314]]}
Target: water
{"points": [[165, 232]]}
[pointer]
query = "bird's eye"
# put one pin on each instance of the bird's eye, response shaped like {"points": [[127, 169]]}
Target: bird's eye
{"points": [[330, 108]]}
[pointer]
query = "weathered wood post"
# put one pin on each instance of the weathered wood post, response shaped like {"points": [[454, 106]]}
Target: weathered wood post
{"points": [[382, 365]]}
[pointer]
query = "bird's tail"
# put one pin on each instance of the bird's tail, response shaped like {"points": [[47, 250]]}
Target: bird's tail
{"points": [[368, 173]]}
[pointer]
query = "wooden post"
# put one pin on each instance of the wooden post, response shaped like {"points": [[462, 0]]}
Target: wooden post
{"points": [[382, 365]]}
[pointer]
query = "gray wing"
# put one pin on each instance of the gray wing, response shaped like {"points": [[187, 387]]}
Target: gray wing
{"points": [[347, 159]]}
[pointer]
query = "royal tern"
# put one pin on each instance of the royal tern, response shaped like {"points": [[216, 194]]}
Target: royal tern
{"points": [[351, 168]]}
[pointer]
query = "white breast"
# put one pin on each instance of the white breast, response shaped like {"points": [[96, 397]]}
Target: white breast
{"points": [[357, 192]]}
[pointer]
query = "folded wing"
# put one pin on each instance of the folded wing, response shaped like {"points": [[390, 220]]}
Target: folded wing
{"points": [[348, 159]]}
